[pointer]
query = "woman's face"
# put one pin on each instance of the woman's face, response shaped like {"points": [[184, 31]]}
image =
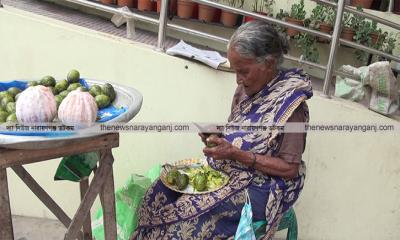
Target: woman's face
{"points": [[252, 75]]}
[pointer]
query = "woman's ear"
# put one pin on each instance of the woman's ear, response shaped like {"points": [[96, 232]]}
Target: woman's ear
{"points": [[269, 63]]}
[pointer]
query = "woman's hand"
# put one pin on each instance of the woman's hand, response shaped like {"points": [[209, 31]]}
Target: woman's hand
{"points": [[222, 150]]}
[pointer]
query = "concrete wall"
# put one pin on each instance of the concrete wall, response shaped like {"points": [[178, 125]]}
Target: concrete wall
{"points": [[352, 189]]}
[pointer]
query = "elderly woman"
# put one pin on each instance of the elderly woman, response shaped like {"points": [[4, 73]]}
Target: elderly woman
{"points": [[266, 166]]}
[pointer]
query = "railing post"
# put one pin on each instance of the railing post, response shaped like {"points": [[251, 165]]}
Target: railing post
{"points": [[334, 47], [390, 7], [163, 25]]}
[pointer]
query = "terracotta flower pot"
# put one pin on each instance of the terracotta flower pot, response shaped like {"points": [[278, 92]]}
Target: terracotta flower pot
{"points": [[107, 1], [158, 6], [249, 19], [363, 3], [185, 8], [396, 7], [291, 31], [127, 3], [229, 19], [144, 5], [374, 37], [325, 28], [206, 13], [347, 33]]}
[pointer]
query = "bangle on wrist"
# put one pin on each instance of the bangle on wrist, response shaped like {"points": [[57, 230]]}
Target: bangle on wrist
{"points": [[253, 163]]}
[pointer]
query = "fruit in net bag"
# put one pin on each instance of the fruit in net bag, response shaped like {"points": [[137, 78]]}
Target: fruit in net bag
{"points": [[36, 105], [78, 109]]}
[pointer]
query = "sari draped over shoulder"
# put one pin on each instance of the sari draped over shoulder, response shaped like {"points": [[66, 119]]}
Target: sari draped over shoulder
{"points": [[165, 214]]}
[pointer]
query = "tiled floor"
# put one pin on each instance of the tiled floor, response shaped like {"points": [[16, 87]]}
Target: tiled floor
{"points": [[27, 228]]}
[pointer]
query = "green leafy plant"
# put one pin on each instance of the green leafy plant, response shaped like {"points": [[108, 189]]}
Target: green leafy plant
{"points": [[306, 43], [362, 36], [235, 3], [348, 20], [297, 11], [263, 6], [323, 14], [281, 15], [385, 43]]}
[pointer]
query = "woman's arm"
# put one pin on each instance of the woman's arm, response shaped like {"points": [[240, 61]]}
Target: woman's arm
{"points": [[274, 166]]}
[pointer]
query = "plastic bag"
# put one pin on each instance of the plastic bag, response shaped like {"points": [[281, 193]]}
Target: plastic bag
{"points": [[245, 227], [128, 199], [77, 167], [349, 89]]}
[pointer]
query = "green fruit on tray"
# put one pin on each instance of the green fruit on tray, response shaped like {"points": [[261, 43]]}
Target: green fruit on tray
{"points": [[5, 100], [102, 101], [14, 91], [10, 108], [108, 90], [61, 85], [172, 176], [95, 90], [53, 90], [182, 181], [59, 99], [63, 94], [32, 83], [83, 89], [5, 94], [12, 118], [73, 76], [74, 86], [3, 116], [200, 182], [48, 81]]}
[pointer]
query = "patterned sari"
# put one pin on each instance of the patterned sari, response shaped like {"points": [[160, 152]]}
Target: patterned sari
{"points": [[166, 214]]}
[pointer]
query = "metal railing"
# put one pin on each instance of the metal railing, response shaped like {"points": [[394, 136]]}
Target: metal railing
{"points": [[335, 39]]}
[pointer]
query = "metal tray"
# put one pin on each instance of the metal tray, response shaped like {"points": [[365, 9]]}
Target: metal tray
{"points": [[126, 96], [181, 164]]}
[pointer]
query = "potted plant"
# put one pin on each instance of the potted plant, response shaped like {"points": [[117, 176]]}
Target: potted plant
{"points": [[296, 16], [306, 43], [127, 3], [186, 8], [145, 5], [396, 6], [263, 7], [207, 13], [362, 3], [386, 43], [364, 34], [281, 15], [322, 18], [107, 1], [229, 19], [347, 27], [171, 7], [375, 33]]}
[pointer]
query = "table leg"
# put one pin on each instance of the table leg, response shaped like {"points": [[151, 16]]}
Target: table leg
{"points": [[94, 189], [87, 228], [107, 198], [6, 228]]}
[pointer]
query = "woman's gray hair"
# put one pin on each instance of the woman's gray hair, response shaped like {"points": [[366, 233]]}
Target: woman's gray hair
{"points": [[259, 40]]}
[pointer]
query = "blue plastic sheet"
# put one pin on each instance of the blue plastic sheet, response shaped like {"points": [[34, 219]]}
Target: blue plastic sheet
{"points": [[105, 114]]}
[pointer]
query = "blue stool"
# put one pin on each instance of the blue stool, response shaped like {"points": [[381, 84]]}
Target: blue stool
{"points": [[288, 221]]}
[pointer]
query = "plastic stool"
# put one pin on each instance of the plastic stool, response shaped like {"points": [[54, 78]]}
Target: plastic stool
{"points": [[288, 222]]}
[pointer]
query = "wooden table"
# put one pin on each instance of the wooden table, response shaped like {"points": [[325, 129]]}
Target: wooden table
{"points": [[102, 183]]}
